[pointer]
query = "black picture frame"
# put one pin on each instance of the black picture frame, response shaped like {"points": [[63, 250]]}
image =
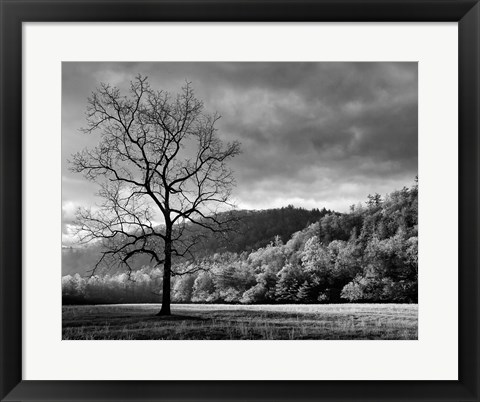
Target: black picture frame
{"points": [[15, 12]]}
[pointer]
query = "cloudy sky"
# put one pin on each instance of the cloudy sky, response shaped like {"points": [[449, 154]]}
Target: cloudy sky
{"points": [[312, 134]]}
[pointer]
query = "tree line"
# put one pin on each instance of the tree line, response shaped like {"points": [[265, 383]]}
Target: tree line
{"points": [[369, 254]]}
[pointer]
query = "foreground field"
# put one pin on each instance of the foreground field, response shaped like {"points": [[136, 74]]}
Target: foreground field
{"points": [[338, 321]]}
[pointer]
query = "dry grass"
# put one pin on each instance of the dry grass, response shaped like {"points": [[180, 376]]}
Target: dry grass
{"points": [[334, 321]]}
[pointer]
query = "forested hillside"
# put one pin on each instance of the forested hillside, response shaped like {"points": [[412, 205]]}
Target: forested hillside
{"points": [[286, 255], [252, 230]]}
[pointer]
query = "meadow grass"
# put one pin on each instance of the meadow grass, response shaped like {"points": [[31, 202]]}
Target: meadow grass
{"points": [[216, 321]]}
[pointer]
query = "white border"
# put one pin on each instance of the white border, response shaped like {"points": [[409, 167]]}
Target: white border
{"points": [[432, 357]]}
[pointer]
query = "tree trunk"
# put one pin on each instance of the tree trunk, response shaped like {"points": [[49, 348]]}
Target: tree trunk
{"points": [[167, 269]]}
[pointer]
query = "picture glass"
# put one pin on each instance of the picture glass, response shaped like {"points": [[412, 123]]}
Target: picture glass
{"points": [[239, 200]]}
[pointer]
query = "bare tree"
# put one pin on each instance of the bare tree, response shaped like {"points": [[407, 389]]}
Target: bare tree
{"points": [[158, 156]]}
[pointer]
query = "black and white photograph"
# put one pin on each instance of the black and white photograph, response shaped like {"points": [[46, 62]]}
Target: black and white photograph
{"points": [[239, 201]]}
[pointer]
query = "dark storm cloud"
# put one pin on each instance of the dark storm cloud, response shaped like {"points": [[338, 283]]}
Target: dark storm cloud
{"points": [[312, 134]]}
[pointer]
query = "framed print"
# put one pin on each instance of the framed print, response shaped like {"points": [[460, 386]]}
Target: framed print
{"points": [[239, 201]]}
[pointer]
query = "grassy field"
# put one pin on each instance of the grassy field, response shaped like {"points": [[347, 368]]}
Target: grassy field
{"points": [[334, 321]]}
